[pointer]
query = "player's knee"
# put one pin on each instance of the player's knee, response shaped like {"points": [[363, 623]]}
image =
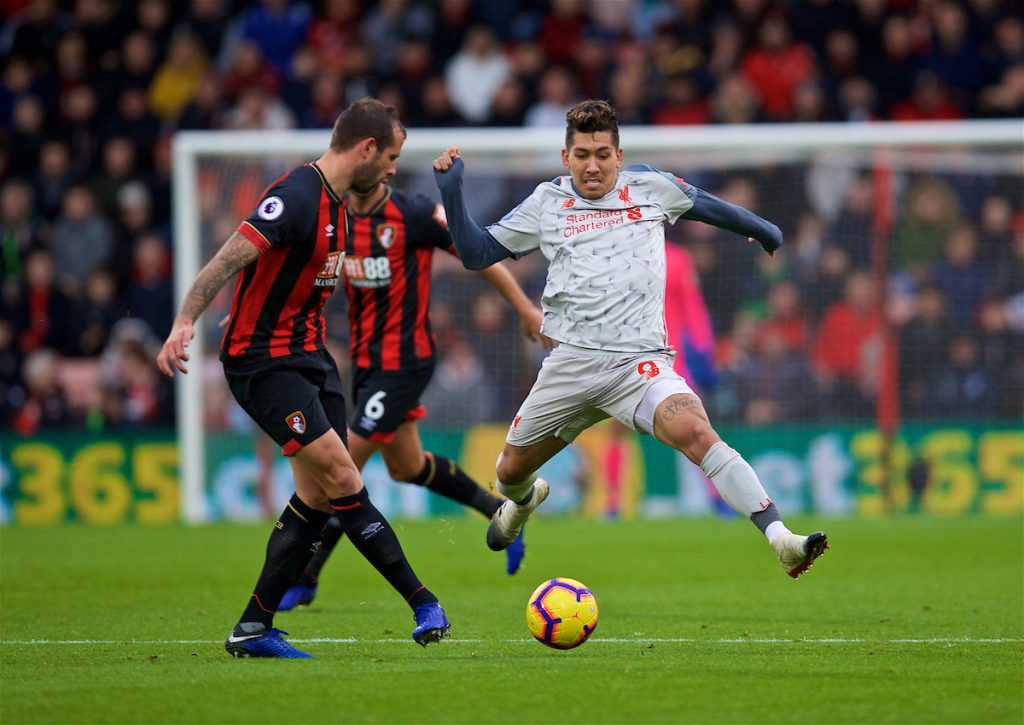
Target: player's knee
{"points": [[340, 480], [704, 436], [699, 438], [693, 435], [403, 472]]}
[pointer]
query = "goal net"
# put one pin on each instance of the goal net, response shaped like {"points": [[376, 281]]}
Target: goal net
{"points": [[874, 364]]}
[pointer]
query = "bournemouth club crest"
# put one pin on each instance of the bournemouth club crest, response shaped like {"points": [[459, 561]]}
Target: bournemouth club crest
{"points": [[297, 422], [386, 235]]}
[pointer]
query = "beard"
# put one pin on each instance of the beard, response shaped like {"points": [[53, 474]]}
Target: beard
{"points": [[365, 178]]}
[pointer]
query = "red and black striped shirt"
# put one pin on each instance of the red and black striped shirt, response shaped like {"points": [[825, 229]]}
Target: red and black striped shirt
{"points": [[277, 309], [387, 278]]}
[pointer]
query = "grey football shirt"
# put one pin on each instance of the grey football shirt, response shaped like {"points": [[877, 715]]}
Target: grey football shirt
{"points": [[605, 287]]}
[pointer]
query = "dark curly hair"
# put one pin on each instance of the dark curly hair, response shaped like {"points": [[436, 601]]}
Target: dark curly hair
{"points": [[592, 116]]}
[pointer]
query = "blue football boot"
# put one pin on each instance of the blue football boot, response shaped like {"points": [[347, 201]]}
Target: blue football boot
{"points": [[250, 640], [514, 554], [299, 595], [431, 624]]}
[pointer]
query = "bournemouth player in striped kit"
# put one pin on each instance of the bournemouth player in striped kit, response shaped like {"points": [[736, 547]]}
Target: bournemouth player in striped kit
{"points": [[288, 256], [389, 246]]}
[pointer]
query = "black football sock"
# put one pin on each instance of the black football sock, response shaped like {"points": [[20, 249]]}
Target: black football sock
{"points": [[761, 519], [443, 477], [329, 539], [376, 540], [288, 551]]}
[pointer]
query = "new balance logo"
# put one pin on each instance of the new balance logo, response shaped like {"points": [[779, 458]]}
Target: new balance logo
{"points": [[568, 203], [648, 369], [372, 529]]}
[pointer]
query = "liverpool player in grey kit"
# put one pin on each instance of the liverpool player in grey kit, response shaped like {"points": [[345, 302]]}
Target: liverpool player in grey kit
{"points": [[601, 230]]}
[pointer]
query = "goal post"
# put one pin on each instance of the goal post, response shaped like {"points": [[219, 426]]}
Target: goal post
{"points": [[528, 156]]}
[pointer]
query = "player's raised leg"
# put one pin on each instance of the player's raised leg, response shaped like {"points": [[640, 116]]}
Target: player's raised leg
{"points": [[681, 422], [517, 479]]}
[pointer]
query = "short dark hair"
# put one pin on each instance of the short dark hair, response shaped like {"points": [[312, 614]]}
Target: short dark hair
{"points": [[592, 116], [365, 118]]}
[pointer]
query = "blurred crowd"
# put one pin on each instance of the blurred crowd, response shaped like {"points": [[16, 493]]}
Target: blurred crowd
{"points": [[810, 335], [92, 91]]}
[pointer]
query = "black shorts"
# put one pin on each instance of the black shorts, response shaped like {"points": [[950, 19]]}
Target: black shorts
{"points": [[383, 400], [295, 399]]}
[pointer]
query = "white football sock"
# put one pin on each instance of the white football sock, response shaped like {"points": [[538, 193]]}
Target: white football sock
{"points": [[774, 530], [518, 492], [735, 479]]}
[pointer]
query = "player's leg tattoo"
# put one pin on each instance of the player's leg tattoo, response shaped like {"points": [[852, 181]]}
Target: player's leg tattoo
{"points": [[678, 405]]}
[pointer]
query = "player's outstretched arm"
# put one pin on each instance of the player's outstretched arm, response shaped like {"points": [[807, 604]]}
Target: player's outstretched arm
{"points": [[477, 249], [530, 316], [709, 209], [237, 253]]}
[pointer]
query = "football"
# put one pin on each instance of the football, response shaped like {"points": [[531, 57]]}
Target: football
{"points": [[562, 613]]}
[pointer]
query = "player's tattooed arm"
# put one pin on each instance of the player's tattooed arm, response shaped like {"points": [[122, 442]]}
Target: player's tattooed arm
{"points": [[237, 253]]}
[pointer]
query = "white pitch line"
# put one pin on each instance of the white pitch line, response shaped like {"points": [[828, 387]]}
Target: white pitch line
{"points": [[607, 640]]}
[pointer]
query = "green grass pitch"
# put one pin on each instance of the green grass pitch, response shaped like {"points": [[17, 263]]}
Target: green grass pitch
{"points": [[904, 620]]}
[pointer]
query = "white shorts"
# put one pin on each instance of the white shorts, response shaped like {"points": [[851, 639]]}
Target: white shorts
{"points": [[578, 387]]}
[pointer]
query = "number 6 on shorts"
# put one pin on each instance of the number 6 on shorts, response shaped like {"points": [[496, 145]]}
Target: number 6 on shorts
{"points": [[374, 409]]}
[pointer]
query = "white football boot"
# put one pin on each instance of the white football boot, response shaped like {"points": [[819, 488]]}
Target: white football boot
{"points": [[797, 553], [508, 520]]}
